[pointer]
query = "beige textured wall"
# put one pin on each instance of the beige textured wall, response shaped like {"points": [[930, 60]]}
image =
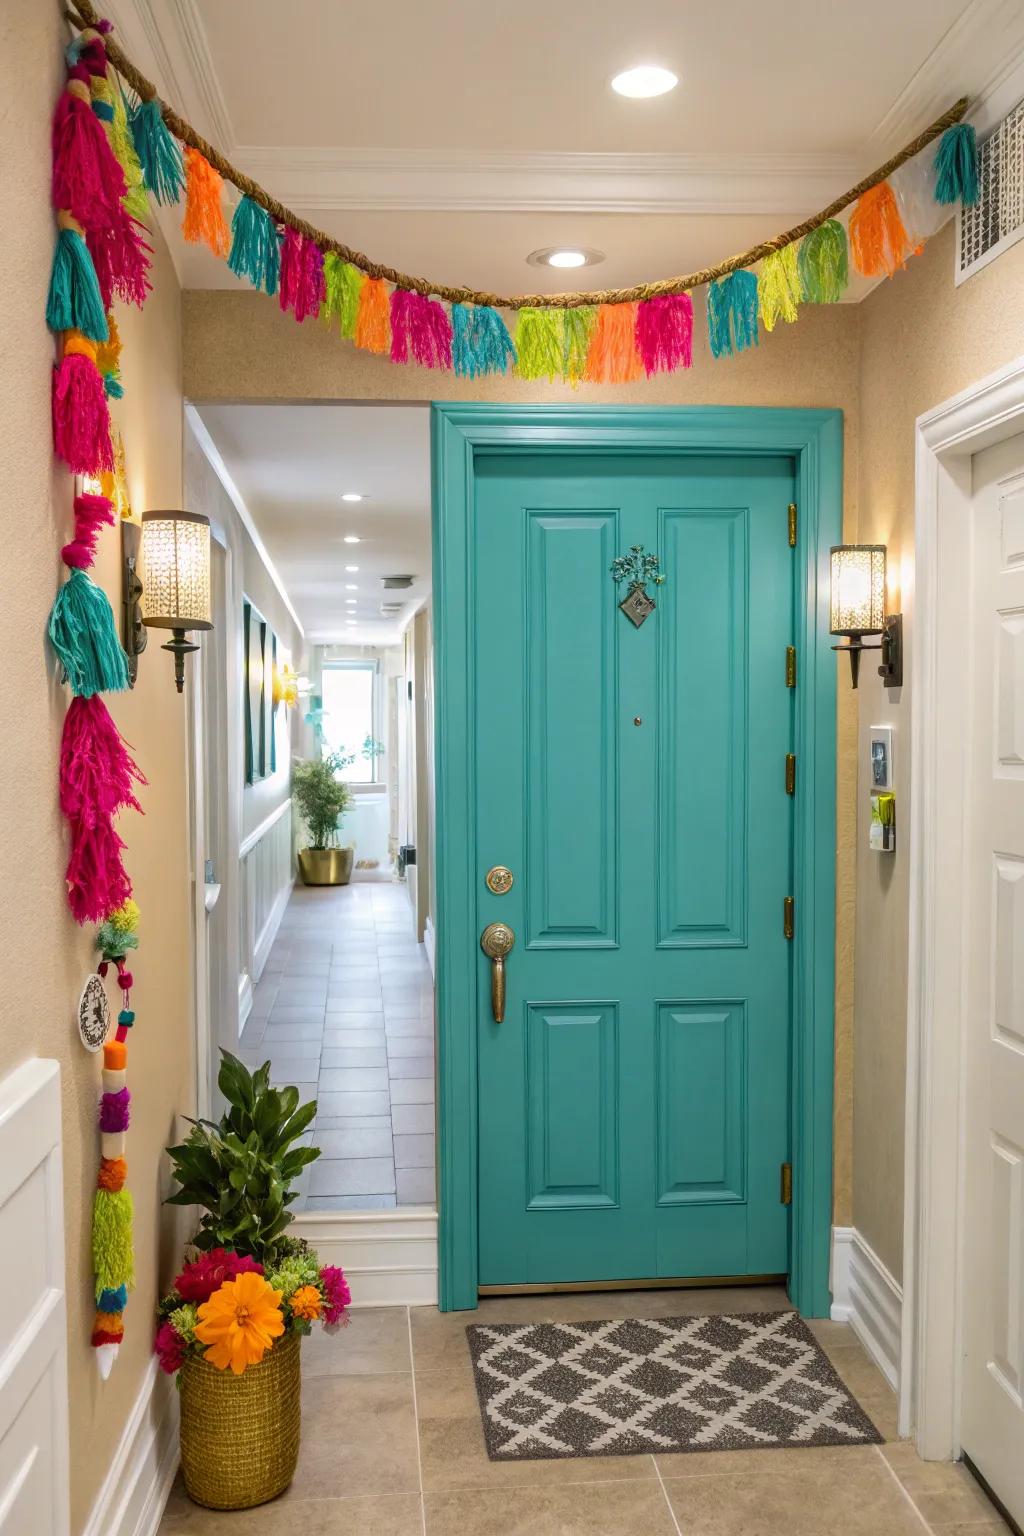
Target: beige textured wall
{"points": [[922, 341], [239, 347], [48, 956]]}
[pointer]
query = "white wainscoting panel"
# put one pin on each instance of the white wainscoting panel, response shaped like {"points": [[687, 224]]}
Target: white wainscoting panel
{"points": [[865, 1295], [266, 878], [34, 1498], [138, 1481], [389, 1257]]}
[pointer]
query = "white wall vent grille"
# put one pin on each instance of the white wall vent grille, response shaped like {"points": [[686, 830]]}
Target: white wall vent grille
{"points": [[997, 220]]}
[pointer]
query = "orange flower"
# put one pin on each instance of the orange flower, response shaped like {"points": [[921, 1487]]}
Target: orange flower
{"points": [[240, 1322], [306, 1303]]}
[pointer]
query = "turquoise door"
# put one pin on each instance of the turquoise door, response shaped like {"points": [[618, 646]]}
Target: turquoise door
{"points": [[633, 1104]]}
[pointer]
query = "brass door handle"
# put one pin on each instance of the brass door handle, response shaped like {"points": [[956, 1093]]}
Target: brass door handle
{"points": [[497, 941]]}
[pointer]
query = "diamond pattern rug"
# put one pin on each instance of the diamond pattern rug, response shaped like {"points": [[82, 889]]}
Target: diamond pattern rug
{"points": [[741, 1381]]}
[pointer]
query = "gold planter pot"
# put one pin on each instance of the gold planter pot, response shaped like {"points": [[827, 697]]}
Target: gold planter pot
{"points": [[326, 866], [240, 1434]]}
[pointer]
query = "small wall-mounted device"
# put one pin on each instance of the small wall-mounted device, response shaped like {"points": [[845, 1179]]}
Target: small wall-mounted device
{"points": [[882, 829]]}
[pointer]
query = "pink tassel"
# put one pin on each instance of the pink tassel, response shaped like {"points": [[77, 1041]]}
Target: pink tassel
{"points": [[664, 333], [81, 417], [121, 258], [96, 877], [301, 288], [422, 327], [87, 179], [91, 512], [97, 772]]}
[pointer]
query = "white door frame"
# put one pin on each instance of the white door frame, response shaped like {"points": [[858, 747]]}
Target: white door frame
{"points": [[947, 437]]}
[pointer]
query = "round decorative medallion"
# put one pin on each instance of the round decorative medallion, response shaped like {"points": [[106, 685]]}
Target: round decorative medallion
{"points": [[93, 1014], [499, 880]]}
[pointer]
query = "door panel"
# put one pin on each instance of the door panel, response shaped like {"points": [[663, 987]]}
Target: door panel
{"points": [[633, 1106]]}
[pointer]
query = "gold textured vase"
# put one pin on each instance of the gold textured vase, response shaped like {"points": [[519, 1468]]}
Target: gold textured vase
{"points": [[240, 1434], [326, 866]]}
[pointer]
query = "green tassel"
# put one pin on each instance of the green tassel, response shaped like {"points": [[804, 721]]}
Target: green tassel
{"points": [[778, 288], [255, 248], [113, 1259], [578, 325], [480, 341], [539, 343], [956, 166], [342, 287], [136, 199], [732, 314], [75, 303], [824, 264], [83, 634], [159, 152]]}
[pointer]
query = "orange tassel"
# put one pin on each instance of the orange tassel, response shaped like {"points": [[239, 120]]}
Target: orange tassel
{"points": [[373, 320], [612, 357], [879, 241], [108, 353], [204, 222]]}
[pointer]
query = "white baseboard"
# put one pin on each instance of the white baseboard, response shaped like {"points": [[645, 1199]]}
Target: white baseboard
{"points": [[389, 1257], [865, 1295], [138, 1481], [265, 943], [430, 942]]}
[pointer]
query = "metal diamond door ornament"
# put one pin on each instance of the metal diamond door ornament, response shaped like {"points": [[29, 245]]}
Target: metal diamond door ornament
{"points": [[637, 568]]}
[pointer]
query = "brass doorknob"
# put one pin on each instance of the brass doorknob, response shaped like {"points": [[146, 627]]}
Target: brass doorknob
{"points": [[497, 941]]}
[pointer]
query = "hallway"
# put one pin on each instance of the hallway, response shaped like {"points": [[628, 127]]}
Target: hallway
{"points": [[345, 1011]]}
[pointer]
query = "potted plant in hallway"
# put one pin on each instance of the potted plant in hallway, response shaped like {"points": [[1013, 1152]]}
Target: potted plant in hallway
{"points": [[231, 1326], [322, 797]]}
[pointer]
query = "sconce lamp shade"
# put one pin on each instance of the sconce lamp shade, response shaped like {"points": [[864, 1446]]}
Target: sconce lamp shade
{"points": [[176, 570], [857, 589]]}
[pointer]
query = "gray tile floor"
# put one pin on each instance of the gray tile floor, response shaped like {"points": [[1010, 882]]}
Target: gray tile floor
{"points": [[345, 1011]]}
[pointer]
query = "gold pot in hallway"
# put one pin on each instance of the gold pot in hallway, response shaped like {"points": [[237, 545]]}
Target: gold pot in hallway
{"points": [[326, 866]]}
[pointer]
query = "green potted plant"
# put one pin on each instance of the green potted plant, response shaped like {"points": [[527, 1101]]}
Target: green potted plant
{"points": [[322, 797], [231, 1326]]}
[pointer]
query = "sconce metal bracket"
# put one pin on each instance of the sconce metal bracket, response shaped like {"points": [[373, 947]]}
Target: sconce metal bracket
{"points": [[891, 670], [134, 634]]}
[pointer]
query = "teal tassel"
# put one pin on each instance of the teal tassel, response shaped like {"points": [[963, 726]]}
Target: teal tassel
{"points": [[83, 634], [75, 303], [255, 249], [956, 166], [824, 264], [159, 152], [112, 386], [732, 313], [480, 341]]}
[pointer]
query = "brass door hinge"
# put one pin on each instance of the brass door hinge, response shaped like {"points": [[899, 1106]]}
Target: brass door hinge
{"points": [[790, 666], [791, 512], [790, 773], [786, 1184], [787, 917]]}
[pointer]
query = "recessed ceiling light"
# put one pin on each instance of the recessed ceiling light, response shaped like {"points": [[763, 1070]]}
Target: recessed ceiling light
{"points": [[350, 586], [350, 623], [352, 568], [351, 538], [352, 496], [644, 81], [565, 256]]}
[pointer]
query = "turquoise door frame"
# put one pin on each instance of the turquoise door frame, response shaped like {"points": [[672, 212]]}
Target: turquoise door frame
{"points": [[813, 440]]}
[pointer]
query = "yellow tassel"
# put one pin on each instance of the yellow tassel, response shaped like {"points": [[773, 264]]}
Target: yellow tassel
{"points": [[879, 242], [108, 353], [373, 320], [612, 357], [204, 222], [778, 287]]}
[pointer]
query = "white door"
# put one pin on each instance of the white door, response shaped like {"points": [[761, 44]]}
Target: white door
{"points": [[992, 1419]]}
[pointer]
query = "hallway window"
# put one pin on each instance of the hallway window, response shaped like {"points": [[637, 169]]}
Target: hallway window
{"points": [[349, 702]]}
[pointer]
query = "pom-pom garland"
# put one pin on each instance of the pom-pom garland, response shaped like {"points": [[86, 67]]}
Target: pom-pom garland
{"points": [[91, 514]]}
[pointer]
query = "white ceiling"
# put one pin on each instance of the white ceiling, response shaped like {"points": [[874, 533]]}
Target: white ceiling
{"points": [[290, 465], [451, 138]]}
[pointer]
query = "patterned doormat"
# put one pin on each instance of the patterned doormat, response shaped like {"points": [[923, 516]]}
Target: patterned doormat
{"points": [[738, 1382]]}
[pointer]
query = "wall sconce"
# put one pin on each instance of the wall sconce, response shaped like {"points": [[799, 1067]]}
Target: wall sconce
{"points": [[176, 563], [133, 630], [857, 608]]}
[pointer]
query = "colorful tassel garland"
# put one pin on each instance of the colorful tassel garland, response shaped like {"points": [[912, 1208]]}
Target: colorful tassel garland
{"points": [[255, 249], [664, 333], [112, 1300], [204, 222], [577, 329], [342, 286], [612, 356], [87, 180], [121, 258], [301, 287], [956, 166], [540, 335], [879, 242], [373, 321], [823, 263], [83, 633], [75, 302], [159, 152], [420, 330], [113, 1261], [98, 775], [91, 513], [778, 287], [481, 343], [81, 418], [732, 314]]}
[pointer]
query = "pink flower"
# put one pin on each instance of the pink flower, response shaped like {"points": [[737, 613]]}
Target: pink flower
{"points": [[169, 1348], [336, 1294], [198, 1281]]}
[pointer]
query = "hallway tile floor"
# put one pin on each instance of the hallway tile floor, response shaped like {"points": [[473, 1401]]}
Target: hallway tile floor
{"points": [[392, 1445], [345, 1011]]}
